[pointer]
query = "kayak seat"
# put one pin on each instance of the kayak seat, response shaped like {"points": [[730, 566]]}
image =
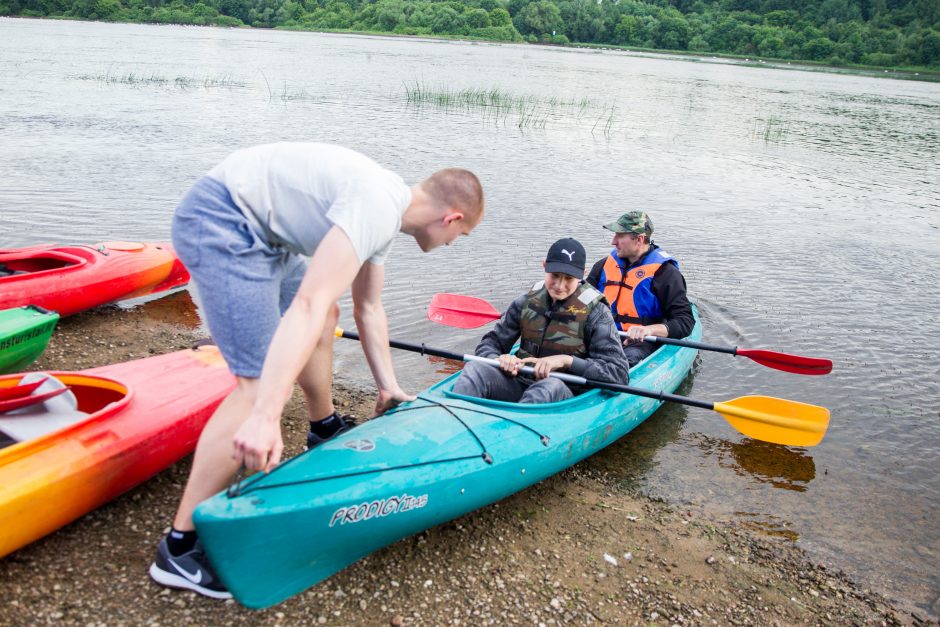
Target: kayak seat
{"points": [[52, 414], [6, 271]]}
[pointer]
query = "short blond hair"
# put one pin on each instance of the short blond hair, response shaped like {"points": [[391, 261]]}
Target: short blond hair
{"points": [[458, 189]]}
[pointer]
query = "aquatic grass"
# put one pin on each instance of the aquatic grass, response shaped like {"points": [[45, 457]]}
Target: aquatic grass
{"points": [[288, 94], [530, 116], [132, 79], [770, 129], [225, 81], [608, 118], [135, 79], [502, 107], [448, 98]]}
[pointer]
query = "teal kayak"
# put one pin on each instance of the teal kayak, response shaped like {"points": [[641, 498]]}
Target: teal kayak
{"points": [[24, 333], [419, 465]]}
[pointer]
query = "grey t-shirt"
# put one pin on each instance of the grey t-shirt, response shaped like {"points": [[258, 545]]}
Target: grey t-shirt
{"points": [[293, 193]]}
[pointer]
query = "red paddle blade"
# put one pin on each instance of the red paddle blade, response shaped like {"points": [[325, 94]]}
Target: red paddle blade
{"points": [[26, 401], [464, 312], [17, 391], [797, 364]]}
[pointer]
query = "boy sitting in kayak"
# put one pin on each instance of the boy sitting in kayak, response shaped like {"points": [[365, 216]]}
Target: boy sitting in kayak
{"points": [[563, 324]]}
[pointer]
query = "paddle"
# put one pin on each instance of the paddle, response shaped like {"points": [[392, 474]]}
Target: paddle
{"points": [[25, 401], [19, 390], [759, 417], [469, 312]]}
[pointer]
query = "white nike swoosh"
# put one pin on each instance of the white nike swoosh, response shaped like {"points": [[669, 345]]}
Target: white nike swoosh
{"points": [[193, 577]]}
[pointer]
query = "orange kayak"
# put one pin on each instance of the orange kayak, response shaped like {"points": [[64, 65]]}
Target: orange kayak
{"points": [[109, 430], [70, 279]]}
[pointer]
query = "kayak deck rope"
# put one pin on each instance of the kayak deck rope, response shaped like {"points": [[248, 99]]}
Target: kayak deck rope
{"points": [[542, 437], [251, 485], [432, 403], [242, 487]]}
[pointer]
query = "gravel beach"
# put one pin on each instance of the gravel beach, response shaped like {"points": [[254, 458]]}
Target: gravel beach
{"points": [[573, 549]]}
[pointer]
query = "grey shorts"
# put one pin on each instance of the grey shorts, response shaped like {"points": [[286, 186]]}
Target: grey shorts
{"points": [[244, 284]]}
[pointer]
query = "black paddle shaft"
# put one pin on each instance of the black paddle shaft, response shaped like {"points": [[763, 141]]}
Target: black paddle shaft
{"points": [[414, 348], [613, 387], [731, 350]]}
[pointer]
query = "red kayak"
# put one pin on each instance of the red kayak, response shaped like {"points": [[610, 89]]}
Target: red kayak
{"points": [[70, 279], [72, 441]]}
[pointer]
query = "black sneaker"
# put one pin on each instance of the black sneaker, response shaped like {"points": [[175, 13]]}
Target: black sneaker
{"points": [[189, 571], [345, 424]]}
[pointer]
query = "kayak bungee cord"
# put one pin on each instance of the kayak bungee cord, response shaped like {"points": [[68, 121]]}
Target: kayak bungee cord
{"points": [[235, 490], [486, 456], [542, 437], [242, 487]]}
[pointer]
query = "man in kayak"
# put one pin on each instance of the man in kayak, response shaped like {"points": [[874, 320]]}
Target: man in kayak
{"points": [[244, 232], [643, 285], [562, 324]]}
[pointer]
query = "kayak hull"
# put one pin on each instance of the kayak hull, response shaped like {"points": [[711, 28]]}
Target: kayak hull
{"points": [[427, 462], [140, 429], [70, 279], [24, 334]]}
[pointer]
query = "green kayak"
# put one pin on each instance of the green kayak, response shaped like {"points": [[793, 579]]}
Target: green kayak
{"points": [[24, 333], [424, 463]]}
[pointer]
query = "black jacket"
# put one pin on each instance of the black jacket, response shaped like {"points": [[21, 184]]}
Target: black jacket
{"points": [[669, 288]]}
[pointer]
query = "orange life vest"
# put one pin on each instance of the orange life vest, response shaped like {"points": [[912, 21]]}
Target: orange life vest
{"points": [[631, 298]]}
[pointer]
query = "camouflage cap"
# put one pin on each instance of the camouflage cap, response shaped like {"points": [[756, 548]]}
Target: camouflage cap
{"points": [[632, 222]]}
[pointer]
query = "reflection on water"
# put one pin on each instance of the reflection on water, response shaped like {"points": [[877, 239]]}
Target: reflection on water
{"points": [[177, 309], [768, 525], [780, 466], [631, 457], [445, 367]]}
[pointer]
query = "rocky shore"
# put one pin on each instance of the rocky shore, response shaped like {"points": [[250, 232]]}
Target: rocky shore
{"points": [[571, 550]]}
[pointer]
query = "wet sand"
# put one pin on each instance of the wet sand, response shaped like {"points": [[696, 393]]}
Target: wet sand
{"points": [[538, 557]]}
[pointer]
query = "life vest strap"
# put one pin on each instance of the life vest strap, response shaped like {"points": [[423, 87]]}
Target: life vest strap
{"points": [[620, 283], [556, 314], [624, 318]]}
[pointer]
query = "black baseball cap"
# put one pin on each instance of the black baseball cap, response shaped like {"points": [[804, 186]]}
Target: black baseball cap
{"points": [[566, 256]]}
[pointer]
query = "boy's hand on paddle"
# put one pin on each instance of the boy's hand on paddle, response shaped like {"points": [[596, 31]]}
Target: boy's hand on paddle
{"points": [[635, 334], [390, 398], [546, 365], [258, 444], [510, 364]]}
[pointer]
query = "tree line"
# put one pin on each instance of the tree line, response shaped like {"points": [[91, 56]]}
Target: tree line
{"points": [[883, 33]]}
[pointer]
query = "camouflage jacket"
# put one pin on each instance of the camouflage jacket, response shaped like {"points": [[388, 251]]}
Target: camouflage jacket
{"points": [[603, 358]]}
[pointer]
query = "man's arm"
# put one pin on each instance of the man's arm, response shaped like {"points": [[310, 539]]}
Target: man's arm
{"points": [[257, 443], [605, 360], [499, 340], [669, 287], [372, 324]]}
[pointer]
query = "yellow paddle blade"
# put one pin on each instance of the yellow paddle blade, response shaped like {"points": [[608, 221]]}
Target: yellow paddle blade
{"points": [[776, 419]]}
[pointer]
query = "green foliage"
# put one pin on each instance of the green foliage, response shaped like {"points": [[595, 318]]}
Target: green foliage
{"points": [[538, 18], [872, 32], [500, 17]]}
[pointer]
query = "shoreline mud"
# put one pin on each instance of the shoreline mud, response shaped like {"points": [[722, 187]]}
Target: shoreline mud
{"points": [[573, 549]]}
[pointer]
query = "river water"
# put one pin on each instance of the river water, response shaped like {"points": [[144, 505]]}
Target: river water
{"points": [[798, 204]]}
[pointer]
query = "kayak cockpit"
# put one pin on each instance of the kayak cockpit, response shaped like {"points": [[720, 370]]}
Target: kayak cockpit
{"points": [[38, 404], [591, 397], [38, 261]]}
